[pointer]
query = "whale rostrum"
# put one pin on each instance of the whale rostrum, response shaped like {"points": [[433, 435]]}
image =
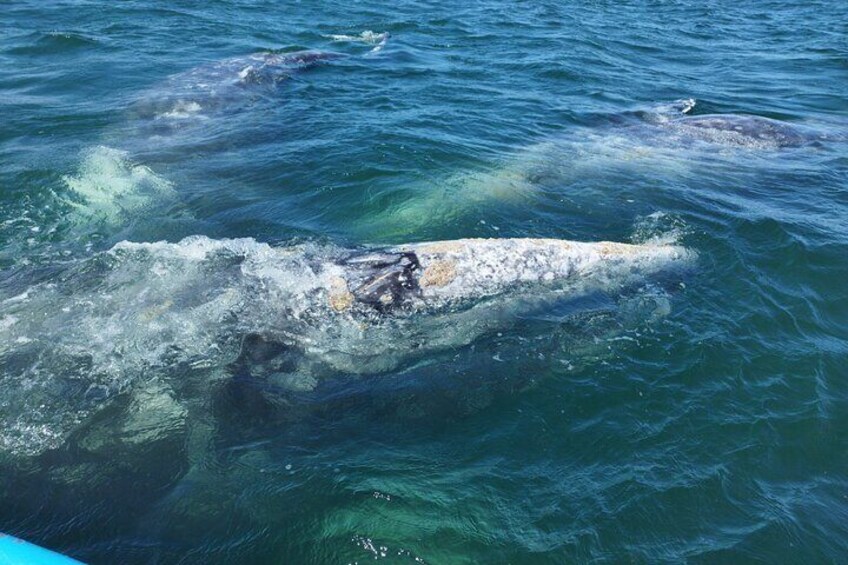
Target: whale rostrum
{"points": [[438, 274]]}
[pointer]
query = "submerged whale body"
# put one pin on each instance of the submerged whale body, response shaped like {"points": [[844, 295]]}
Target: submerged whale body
{"points": [[664, 139], [142, 316]]}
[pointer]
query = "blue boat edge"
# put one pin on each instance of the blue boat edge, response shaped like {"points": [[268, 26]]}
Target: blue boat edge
{"points": [[15, 551]]}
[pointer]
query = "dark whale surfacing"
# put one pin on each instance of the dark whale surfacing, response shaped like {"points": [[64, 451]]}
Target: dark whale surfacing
{"points": [[734, 130], [223, 85]]}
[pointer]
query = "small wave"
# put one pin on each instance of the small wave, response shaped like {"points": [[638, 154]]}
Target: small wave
{"points": [[53, 42], [71, 37]]}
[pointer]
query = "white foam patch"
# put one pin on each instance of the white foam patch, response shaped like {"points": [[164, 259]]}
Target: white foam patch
{"points": [[7, 322], [671, 110], [368, 37], [110, 188], [659, 228], [181, 110]]}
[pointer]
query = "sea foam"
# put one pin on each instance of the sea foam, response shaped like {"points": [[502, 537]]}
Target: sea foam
{"points": [[110, 189]]}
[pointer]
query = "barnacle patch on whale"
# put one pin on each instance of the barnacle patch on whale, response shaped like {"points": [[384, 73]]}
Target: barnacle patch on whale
{"points": [[441, 247], [611, 248], [340, 296], [439, 273]]}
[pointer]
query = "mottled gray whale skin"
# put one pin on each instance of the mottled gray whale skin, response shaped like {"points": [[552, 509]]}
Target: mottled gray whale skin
{"points": [[437, 275], [676, 122], [744, 130]]}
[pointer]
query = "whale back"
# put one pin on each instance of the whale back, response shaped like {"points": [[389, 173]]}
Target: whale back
{"points": [[743, 130]]}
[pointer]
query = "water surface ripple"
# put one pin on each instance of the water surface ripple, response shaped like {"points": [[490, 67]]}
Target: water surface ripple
{"points": [[147, 414]]}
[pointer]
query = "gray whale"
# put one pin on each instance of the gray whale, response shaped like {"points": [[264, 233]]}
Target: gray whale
{"points": [[678, 124], [137, 319]]}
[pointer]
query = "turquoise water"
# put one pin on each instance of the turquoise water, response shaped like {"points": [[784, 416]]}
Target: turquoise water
{"points": [[149, 414]]}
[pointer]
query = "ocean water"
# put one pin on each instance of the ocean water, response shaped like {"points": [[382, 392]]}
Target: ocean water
{"points": [[172, 178]]}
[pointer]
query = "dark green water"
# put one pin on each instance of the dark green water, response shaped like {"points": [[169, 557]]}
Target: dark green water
{"points": [[702, 419]]}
